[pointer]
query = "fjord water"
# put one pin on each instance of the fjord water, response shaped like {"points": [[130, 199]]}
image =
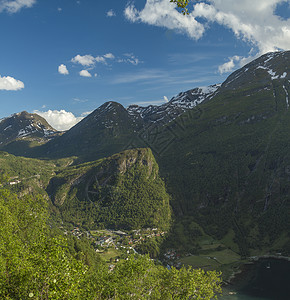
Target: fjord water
{"points": [[264, 280]]}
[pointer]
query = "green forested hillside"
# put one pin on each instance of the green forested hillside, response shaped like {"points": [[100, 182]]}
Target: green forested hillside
{"points": [[123, 191]]}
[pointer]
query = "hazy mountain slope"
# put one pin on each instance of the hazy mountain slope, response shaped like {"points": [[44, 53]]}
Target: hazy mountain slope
{"points": [[229, 164], [111, 128], [105, 131]]}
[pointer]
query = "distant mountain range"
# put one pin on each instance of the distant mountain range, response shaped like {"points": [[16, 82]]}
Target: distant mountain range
{"points": [[223, 152], [110, 119]]}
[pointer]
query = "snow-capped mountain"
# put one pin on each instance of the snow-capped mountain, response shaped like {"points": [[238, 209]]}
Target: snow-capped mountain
{"points": [[24, 125], [175, 107], [266, 69]]}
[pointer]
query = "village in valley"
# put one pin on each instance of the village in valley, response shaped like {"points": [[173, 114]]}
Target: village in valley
{"points": [[116, 244]]}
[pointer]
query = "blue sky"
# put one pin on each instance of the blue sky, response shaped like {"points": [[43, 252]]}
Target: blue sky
{"points": [[64, 58]]}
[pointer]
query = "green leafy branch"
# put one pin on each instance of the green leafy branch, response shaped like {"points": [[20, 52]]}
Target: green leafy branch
{"points": [[182, 4]]}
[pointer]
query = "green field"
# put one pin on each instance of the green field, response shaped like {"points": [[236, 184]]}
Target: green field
{"points": [[199, 261], [109, 254], [212, 260]]}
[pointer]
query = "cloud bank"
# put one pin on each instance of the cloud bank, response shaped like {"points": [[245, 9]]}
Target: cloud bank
{"points": [[59, 119], [253, 21], [162, 13], [89, 61], [8, 83], [16, 5]]}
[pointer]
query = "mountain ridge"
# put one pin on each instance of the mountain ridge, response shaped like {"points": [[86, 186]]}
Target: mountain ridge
{"points": [[225, 162]]}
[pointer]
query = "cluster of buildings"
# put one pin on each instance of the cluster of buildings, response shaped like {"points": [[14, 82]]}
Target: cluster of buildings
{"points": [[116, 238], [109, 238]]}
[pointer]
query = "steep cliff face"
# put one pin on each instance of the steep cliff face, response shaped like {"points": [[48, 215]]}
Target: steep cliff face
{"points": [[122, 191]]}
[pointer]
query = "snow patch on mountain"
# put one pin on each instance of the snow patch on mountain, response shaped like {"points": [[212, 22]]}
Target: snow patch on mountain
{"points": [[7, 127], [283, 75], [175, 107], [268, 66], [287, 96]]}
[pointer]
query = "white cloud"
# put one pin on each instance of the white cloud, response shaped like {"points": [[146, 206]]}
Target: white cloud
{"points": [[100, 59], [111, 13], [254, 21], [229, 66], [62, 69], [8, 83], [130, 58], [162, 13], [109, 55], [165, 98], [86, 113], [59, 119], [16, 5], [85, 73], [89, 61], [85, 60]]}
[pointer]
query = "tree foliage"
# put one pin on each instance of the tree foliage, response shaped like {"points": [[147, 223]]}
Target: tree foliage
{"points": [[32, 262], [181, 4], [37, 263]]}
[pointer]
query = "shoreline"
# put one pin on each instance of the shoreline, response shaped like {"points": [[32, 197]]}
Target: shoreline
{"points": [[251, 261], [254, 278], [256, 258]]}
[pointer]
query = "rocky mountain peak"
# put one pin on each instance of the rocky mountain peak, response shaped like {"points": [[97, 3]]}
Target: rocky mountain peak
{"points": [[175, 107], [263, 70], [24, 125]]}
